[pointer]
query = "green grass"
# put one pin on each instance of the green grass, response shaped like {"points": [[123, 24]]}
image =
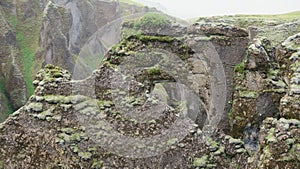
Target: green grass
{"points": [[127, 32], [131, 2], [287, 16], [27, 60], [150, 20], [154, 71], [27, 36], [4, 98], [271, 26], [240, 68], [245, 21]]}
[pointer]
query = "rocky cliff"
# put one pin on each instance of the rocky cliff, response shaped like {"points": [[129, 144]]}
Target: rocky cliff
{"points": [[219, 93], [38, 32]]}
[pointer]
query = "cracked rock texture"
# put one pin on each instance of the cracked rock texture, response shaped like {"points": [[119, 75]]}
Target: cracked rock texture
{"points": [[222, 92], [38, 32]]}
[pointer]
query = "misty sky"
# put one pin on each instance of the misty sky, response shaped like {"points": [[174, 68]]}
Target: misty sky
{"points": [[195, 8]]}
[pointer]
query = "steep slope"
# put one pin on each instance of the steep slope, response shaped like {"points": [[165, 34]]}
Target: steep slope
{"points": [[158, 100], [13, 89], [266, 79], [67, 25], [207, 95], [37, 32], [88, 124]]}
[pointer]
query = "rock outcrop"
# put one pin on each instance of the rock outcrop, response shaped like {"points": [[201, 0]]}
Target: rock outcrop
{"points": [[77, 124], [288, 58], [279, 144], [68, 25], [167, 95], [36, 33], [265, 81]]}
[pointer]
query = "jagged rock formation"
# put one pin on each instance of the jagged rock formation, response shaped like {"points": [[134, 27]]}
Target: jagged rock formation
{"points": [[12, 96], [96, 122], [206, 95], [265, 81], [38, 32], [67, 26], [230, 42], [288, 57], [80, 115], [279, 144]]}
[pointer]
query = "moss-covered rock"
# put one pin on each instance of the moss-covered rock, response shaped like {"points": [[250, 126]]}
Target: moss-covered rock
{"points": [[75, 122], [278, 145], [37, 107], [152, 21], [200, 162], [222, 29], [288, 59], [63, 114]]}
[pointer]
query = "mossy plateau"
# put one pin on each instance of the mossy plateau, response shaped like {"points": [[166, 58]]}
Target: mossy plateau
{"points": [[152, 20]]}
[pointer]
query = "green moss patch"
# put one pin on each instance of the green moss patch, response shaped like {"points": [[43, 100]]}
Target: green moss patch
{"points": [[201, 162], [240, 68], [248, 94], [130, 2], [85, 155], [154, 71], [147, 38], [152, 20]]}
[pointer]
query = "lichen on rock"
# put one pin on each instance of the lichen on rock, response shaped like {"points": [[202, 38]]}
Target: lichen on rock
{"points": [[75, 123], [278, 144]]}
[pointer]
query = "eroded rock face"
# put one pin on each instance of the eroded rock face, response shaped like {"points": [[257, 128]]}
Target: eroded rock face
{"points": [[164, 78], [258, 90], [18, 45], [222, 29], [75, 110], [279, 144], [68, 25], [263, 82], [35, 33], [288, 57], [13, 89], [48, 127], [230, 42], [70, 117], [258, 58]]}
